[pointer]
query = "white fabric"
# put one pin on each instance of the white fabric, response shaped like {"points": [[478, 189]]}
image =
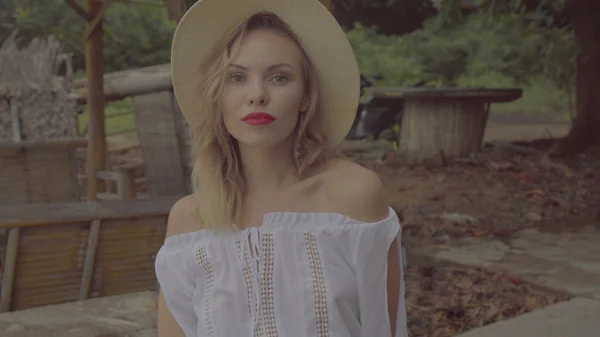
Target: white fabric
{"points": [[297, 275]]}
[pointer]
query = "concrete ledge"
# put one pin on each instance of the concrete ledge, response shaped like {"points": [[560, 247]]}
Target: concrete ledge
{"points": [[131, 315], [578, 317]]}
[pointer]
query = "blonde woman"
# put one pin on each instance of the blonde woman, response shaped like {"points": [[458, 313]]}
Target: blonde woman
{"points": [[279, 238]]}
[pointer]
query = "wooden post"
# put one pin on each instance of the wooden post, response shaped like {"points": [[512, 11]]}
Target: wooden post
{"points": [[94, 65], [126, 188]]}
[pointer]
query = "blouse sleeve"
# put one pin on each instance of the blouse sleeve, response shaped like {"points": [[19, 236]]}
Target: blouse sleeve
{"points": [[370, 259], [176, 279]]}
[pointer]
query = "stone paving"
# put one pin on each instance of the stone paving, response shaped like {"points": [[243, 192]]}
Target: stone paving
{"points": [[567, 261], [578, 317], [131, 315]]}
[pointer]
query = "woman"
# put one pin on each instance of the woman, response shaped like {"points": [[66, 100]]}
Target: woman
{"points": [[278, 238]]}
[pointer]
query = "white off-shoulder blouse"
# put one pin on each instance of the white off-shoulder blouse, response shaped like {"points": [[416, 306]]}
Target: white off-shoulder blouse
{"points": [[297, 275]]}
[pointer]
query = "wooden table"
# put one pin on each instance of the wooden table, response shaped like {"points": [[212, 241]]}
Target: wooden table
{"points": [[443, 121]]}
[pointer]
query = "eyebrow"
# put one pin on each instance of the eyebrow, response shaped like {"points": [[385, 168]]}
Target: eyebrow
{"points": [[274, 66]]}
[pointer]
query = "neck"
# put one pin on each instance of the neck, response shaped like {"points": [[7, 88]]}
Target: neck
{"points": [[268, 169]]}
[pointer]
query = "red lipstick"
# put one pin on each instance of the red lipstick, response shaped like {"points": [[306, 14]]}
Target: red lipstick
{"points": [[258, 118]]}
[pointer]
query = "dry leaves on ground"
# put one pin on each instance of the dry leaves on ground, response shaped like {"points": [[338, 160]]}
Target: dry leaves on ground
{"points": [[497, 192], [445, 300]]}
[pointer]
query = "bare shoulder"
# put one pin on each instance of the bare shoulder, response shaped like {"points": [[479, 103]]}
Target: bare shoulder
{"points": [[181, 217], [355, 191]]}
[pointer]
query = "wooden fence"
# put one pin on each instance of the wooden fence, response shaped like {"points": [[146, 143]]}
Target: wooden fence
{"points": [[64, 252]]}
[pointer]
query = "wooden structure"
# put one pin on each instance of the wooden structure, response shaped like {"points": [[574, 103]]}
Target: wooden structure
{"points": [[64, 252], [443, 121], [40, 172], [162, 132], [38, 126]]}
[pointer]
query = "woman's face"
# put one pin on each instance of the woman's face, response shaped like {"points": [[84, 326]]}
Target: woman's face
{"points": [[264, 89]]}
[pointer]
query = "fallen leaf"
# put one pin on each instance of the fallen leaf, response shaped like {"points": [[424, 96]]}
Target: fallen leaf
{"points": [[533, 216]]}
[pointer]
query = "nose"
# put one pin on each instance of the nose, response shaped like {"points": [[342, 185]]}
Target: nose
{"points": [[258, 95]]}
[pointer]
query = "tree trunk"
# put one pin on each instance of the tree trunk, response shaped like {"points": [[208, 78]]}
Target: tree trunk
{"points": [[585, 131]]}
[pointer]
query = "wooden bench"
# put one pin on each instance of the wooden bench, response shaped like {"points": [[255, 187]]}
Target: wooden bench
{"points": [[62, 252], [446, 121]]}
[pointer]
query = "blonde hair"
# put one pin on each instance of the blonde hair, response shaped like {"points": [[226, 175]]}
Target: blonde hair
{"points": [[217, 178]]}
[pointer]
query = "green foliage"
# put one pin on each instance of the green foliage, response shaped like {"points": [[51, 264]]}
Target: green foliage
{"points": [[135, 35], [499, 47], [482, 43]]}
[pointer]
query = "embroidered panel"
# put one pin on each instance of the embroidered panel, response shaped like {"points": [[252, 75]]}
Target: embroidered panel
{"points": [[267, 326], [209, 277], [318, 281]]}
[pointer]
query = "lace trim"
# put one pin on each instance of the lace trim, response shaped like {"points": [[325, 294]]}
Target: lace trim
{"points": [[267, 326], [246, 270], [320, 293], [209, 277]]}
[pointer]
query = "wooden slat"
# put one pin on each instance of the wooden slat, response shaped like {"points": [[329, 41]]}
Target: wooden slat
{"points": [[90, 257], [49, 281], [8, 274], [59, 213], [125, 256], [46, 144]]}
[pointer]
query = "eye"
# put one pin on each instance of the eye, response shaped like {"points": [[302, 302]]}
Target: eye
{"points": [[280, 79], [236, 78]]}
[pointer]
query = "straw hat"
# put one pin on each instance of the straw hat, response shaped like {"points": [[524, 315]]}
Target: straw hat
{"points": [[322, 38]]}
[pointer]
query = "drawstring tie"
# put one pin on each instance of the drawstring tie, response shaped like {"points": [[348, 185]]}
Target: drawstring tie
{"points": [[251, 240]]}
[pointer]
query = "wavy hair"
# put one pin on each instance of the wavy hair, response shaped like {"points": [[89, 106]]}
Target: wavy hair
{"points": [[217, 177]]}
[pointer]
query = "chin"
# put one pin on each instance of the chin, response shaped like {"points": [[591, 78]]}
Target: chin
{"points": [[260, 140]]}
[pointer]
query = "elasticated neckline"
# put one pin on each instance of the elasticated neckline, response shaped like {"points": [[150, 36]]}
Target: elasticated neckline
{"points": [[320, 221]]}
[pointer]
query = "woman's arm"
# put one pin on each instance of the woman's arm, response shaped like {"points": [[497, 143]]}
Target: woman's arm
{"points": [[166, 324], [180, 221], [364, 199]]}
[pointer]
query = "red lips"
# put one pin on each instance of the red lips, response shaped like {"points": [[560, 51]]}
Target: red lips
{"points": [[258, 118]]}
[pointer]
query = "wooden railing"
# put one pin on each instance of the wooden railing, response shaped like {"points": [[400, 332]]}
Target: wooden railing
{"points": [[62, 252]]}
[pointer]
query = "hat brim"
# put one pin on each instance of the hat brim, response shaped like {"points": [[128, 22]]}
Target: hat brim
{"points": [[323, 40]]}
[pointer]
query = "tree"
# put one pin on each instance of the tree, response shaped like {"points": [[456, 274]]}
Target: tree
{"points": [[586, 125]]}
